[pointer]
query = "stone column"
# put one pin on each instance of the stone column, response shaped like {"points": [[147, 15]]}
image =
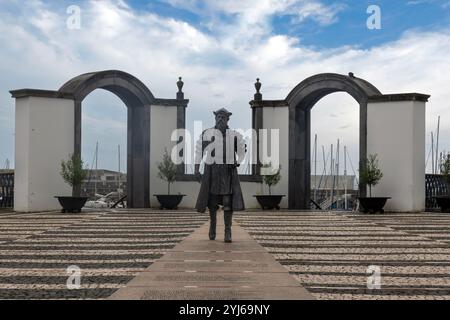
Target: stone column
{"points": [[396, 133], [167, 115], [181, 104], [257, 125], [44, 137]]}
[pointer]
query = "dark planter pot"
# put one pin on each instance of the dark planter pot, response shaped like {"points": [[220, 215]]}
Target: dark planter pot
{"points": [[373, 205], [443, 202], [269, 202], [169, 202], [72, 204]]}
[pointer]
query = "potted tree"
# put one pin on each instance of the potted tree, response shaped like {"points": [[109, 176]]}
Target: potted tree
{"points": [[73, 174], [371, 175], [271, 178], [168, 172], [444, 200]]}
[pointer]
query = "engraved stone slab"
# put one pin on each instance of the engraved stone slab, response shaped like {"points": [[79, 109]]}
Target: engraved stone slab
{"points": [[260, 293], [219, 255], [214, 266], [208, 279]]}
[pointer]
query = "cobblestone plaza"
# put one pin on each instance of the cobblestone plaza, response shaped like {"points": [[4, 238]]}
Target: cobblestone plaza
{"points": [[327, 253], [110, 248]]}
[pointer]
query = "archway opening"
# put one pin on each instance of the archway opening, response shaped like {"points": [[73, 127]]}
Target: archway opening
{"points": [[104, 148], [138, 99], [335, 152], [301, 99]]}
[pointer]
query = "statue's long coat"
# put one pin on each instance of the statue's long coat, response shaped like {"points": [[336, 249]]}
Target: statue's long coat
{"points": [[203, 197]]}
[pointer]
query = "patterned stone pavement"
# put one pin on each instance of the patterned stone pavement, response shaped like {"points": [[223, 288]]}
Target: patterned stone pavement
{"points": [[111, 248], [329, 253]]}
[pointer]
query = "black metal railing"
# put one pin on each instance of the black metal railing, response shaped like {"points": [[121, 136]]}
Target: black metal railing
{"points": [[6, 190], [435, 185]]}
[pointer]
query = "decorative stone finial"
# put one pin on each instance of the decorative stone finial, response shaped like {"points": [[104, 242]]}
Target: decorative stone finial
{"points": [[351, 75], [258, 85], [180, 84]]}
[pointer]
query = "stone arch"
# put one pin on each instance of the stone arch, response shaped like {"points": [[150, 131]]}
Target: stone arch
{"points": [[301, 100], [138, 99]]}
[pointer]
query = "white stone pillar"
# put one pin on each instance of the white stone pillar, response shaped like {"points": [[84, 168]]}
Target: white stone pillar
{"points": [[44, 137], [396, 133], [276, 117], [163, 123]]}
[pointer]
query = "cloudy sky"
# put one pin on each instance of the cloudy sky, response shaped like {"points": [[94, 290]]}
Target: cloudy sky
{"points": [[220, 48]]}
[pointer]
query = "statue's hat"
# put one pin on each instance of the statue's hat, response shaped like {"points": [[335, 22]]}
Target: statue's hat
{"points": [[223, 111]]}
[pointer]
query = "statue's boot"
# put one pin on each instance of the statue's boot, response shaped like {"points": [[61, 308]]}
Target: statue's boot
{"points": [[228, 219], [212, 225]]}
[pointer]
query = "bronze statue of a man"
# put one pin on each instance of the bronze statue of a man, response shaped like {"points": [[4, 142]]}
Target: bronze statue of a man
{"points": [[225, 150]]}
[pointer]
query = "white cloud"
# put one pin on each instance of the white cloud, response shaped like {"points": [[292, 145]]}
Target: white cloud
{"points": [[251, 20], [258, 10], [219, 68], [442, 3], [324, 15]]}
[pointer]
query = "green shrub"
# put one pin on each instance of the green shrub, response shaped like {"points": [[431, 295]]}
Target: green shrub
{"points": [[72, 171], [167, 170], [371, 173], [445, 167], [273, 179]]}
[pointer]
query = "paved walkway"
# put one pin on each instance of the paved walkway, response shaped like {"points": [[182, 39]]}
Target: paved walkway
{"points": [[198, 268]]}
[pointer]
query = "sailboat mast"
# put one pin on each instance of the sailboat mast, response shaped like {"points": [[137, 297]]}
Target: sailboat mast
{"points": [[337, 169], [437, 145], [345, 178], [332, 175], [324, 171], [315, 168], [96, 169], [119, 176], [432, 153], [7, 164]]}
